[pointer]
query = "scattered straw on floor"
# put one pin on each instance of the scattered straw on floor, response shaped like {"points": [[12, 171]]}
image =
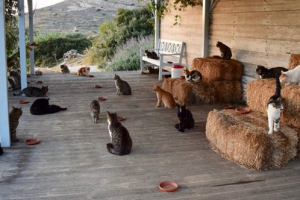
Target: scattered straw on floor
{"points": [[294, 61], [244, 139]]}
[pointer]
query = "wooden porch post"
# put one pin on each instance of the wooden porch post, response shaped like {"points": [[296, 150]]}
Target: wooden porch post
{"points": [[205, 24], [157, 27], [29, 2], [22, 44], [4, 119]]}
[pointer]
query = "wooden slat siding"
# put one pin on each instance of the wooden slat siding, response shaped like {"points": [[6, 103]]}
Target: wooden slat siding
{"points": [[189, 30], [72, 162], [258, 32]]}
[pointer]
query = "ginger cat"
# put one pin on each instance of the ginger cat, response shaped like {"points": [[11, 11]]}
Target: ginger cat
{"points": [[164, 96], [83, 71]]}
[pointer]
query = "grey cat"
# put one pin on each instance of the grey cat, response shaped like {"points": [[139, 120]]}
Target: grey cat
{"points": [[122, 86], [95, 110], [33, 92], [14, 80], [121, 142]]}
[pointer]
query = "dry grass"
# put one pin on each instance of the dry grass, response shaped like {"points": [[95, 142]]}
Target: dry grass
{"points": [[243, 139], [259, 92], [213, 69], [228, 91], [294, 61]]}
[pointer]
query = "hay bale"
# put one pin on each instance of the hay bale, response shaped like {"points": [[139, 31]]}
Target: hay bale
{"points": [[259, 91], [189, 93], [244, 139], [294, 61], [228, 91], [213, 69]]}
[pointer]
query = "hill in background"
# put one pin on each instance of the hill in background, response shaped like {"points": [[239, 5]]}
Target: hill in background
{"points": [[78, 16]]}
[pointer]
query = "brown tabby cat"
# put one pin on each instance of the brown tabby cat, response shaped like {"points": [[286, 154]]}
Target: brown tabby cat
{"points": [[122, 86], [164, 96], [83, 71], [95, 110], [64, 69], [33, 92], [14, 117], [225, 51], [121, 142]]}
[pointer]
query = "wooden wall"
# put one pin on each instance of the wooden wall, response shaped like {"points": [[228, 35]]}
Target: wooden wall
{"points": [[258, 32], [189, 30]]}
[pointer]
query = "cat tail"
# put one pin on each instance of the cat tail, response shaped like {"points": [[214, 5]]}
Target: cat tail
{"points": [[278, 87]]}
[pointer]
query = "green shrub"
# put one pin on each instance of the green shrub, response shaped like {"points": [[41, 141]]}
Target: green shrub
{"points": [[51, 47], [127, 56], [126, 24]]}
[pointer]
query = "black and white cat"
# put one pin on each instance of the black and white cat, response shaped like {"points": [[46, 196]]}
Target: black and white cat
{"points": [[264, 72], [192, 76], [274, 109], [185, 117]]}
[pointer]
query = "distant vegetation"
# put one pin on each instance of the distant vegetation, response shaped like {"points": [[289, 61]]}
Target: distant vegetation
{"points": [[51, 47], [127, 25]]}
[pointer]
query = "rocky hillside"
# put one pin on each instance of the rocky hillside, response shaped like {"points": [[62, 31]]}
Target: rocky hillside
{"points": [[81, 16]]}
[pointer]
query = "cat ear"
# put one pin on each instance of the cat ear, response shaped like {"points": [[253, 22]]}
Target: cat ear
{"points": [[13, 107]]}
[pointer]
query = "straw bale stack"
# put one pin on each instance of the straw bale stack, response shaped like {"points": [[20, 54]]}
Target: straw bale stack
{"points": [[259, 91], [213, 69], [244, 139], [228, 91], [189, 93], [294, 61]]}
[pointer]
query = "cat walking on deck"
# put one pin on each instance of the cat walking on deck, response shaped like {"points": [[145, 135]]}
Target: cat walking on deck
{"points": [[121, 142], [95, 111], [274, 109]]}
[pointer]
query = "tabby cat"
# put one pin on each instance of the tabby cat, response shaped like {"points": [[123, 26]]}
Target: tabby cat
{"points": [[291, 76], [164, 96], [83, 71], [274, 108], [264, 72], [152, 70], [64, 69], [95, 110], [121, 142], [151, 54], [42, 107], [14, 117], [38, 73], [33, 92], [193, 76], [122, 86], [225, 51], [185, 117], [14, 80]]}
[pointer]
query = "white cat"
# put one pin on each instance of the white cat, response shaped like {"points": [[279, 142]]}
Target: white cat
{"points": [[291, 76], [274, 109]]}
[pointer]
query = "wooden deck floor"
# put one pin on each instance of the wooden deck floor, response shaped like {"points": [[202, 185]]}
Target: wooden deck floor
{"points": [[72, 162]]}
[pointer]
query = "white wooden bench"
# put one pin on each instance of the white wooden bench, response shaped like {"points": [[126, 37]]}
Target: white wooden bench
{"points": [[169, 52]]}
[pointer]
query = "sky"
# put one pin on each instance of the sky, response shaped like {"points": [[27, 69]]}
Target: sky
{"points": [[41, 3]]}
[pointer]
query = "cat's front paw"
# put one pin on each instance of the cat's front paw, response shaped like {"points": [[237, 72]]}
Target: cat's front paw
{"points": [[181, 130], [109, 145], [270, 132], [177, 126], [276, 129]]}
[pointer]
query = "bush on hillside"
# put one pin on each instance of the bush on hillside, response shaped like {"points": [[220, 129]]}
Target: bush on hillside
{"points": [[126, 24], [127, 56]]}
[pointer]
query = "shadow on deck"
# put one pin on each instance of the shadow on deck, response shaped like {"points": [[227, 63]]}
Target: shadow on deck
{"points": [[72, 161]]}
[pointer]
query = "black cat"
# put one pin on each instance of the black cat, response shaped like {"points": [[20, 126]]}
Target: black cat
{"points": [[42, 107], [1, 150], [185, 117], [151, 54], [264, 72], [225, 51]]}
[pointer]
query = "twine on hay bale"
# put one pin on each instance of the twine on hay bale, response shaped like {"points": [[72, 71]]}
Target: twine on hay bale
{"points": [[294, 61], [189, 93], [244, 139], [259, 91], [213, 69]]}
